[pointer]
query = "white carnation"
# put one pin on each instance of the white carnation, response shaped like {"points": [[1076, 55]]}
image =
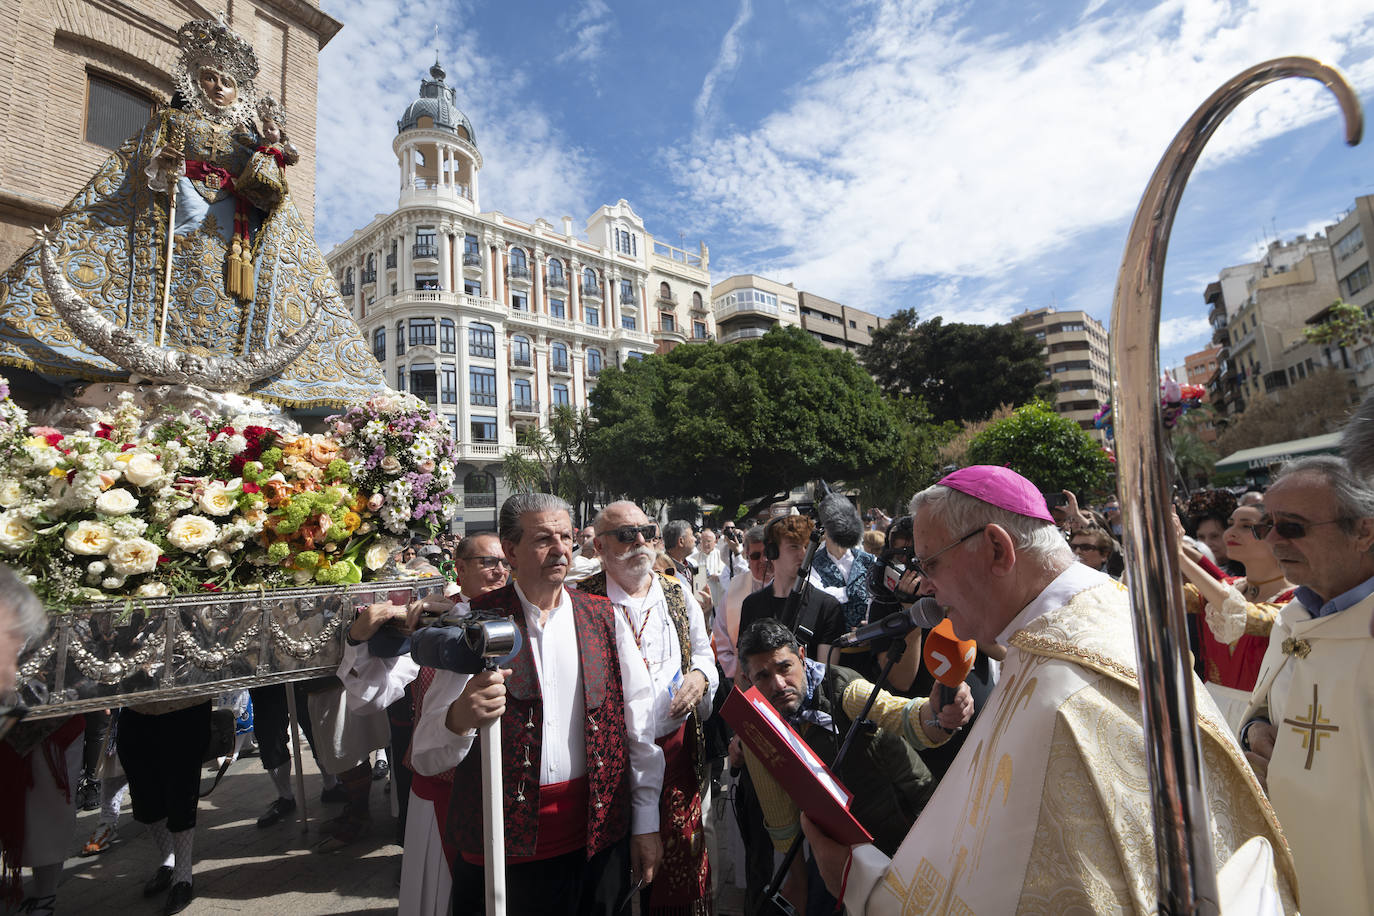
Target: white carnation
{"points": [[110, 583], [191, 532], [136, 555], [16, 533], [118, 501], [89, 539]]}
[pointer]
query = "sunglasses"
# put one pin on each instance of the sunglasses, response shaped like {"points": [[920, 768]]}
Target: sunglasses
{"points": [[489, 562], [1080, 548], [630, 533], [1289, 531], [755, 555]]}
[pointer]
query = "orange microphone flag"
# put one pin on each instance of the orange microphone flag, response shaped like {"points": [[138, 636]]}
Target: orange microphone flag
{"points": [[948, 657]]}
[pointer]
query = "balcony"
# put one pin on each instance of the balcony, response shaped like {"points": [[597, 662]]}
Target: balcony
{"points": [[521, 362], [369, 276], [743, 334], [524, 408], [628, 299], [698, 304], [346, 289], [472, 259], [593, 371], [485, 500], [746, 308], [560, 369], [518, 272], [391, 261], [669, 297], [425, 250], [556, 281], [591, 291]]}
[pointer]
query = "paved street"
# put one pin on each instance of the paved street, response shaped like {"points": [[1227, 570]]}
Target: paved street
{"points": [[242, 869]]}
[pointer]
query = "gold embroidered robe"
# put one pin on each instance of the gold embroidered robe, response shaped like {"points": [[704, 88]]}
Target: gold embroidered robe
{"points": [[1046, 810]]}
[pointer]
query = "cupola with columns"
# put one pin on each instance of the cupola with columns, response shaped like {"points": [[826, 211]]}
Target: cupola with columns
{"points": [[436, 149]]}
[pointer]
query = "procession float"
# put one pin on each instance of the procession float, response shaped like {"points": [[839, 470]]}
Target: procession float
{"points": [[202, 469]]}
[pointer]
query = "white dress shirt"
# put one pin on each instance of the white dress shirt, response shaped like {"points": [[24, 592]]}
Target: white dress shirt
{"points": [[662, 654], [726, 625], [563, 755]]}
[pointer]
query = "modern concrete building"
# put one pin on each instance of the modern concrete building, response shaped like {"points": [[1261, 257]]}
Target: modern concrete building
{"points": [[494, 321], [1200, 368], [839, 327], [1075, 347], [747, 305], [85, 75]]}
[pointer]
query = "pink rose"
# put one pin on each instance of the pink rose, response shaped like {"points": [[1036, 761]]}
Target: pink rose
{"points": [[375, 501]]}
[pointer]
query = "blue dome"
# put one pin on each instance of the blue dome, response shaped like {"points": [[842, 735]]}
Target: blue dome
{"points": [[436, 104]]}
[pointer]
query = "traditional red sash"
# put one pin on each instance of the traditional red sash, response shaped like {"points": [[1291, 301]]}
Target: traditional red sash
{"points": [[562, 821], [212, 175]]}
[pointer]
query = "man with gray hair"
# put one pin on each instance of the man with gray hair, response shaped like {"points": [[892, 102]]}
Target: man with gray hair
{"points": [[580, 766], [1047, 808], [21, 619], [1310, 726]]}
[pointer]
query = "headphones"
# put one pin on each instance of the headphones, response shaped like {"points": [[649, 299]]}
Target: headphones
{"points": [[771, 550]]}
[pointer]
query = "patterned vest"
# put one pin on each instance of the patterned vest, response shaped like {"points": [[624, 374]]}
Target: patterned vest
{"points": [[522, 735]]}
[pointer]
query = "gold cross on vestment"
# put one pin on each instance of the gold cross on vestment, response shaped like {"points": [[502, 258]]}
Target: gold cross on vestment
{"points": [[1313, 729]]}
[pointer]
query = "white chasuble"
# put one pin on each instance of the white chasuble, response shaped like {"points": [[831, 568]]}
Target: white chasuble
{"points": [[1317, 682], [1046, 810]]}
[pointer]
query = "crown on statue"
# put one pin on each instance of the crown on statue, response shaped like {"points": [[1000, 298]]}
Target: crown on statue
{"points": [[211, 43]]}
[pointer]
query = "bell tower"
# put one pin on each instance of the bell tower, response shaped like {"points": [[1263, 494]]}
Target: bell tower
{"points": [[436, 150]]}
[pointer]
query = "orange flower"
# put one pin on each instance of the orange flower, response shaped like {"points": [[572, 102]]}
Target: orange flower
{"points": [[322, 452], [351, 521]]}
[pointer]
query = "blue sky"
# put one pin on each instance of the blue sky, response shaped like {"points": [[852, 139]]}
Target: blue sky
{"points": [[969, 160]]}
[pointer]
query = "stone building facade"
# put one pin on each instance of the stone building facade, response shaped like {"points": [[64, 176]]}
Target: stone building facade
{"points": [[1076, 349], [494, 321], [83, 75]]}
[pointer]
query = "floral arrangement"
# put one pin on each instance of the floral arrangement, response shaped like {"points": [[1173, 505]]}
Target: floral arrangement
{"points": [[180, 503]]}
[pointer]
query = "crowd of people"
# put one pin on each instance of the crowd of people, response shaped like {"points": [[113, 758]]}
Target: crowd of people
{"points": [[1024, 790]]}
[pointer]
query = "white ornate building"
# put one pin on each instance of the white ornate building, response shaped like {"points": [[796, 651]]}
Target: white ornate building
{"points": [[492, 320]]}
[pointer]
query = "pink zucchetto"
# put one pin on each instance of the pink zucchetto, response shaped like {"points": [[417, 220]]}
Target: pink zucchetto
{"points": [[1000, 487]]}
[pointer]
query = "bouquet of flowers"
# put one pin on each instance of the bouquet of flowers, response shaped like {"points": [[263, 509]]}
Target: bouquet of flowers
{"points": [[182, 502]]}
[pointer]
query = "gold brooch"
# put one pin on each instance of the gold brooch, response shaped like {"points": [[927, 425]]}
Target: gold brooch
{"points": [[1299, 647], [213, 181]]}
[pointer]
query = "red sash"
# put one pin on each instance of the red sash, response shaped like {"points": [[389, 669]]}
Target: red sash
{"points": [[562, 821], [683, 883]]}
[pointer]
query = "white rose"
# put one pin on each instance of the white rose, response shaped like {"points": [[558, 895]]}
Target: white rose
{"points": [[118, 501], [302, 576], [375, 557], [216, 559], [151, 590], [15, 533], [142, 469], [11, 492], [136, 555], [89, 539], [191, 532], [390, 465], [219, 499]]}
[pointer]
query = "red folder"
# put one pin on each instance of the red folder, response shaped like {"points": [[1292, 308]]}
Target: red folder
{"points": [[797, 768]]}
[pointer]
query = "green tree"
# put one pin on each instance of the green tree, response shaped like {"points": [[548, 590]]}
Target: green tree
{"points": [[963, 372], [1318, 404], [734, 421], [1048, 449], [918, 460], [1342, 325], [554, 459]]}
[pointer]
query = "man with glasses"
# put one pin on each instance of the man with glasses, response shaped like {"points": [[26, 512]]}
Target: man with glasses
{"points": [[1047, 807], [670, 631], [1310, 724]]}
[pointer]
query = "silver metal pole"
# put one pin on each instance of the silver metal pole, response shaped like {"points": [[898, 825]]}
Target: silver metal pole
{"points": [[494, 816], [1183, 842]]}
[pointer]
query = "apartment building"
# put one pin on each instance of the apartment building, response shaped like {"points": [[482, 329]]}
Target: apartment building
{"points": [[1075, 347], [747, 305], [495, 321]]}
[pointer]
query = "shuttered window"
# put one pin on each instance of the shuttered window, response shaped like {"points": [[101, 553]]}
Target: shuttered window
{"points": [[114, 113]]}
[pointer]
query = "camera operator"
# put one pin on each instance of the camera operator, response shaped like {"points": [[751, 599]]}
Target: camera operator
{"points": [[893, 585]]}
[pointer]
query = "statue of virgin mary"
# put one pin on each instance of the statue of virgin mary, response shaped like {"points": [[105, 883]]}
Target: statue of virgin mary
{"points": [[247, 295]]}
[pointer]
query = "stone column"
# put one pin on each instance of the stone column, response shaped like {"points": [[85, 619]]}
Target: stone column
{"points": [[445, 242], [538, 296], [574, 275]]}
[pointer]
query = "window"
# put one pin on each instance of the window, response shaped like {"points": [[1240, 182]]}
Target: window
{"points": [[520, 302], [558, 355], [481, 341], [665, 292], [556, 276], [448, 338], [422, 332], [698, 330], [400, 378], [627, 292], [483, 429], [560, 396], [696, 301], [449, 385], [114, 112], [453, 428], [379, 344], [852, 324], [426, 281], [594, 361], [627, 321], [472, 287], [426, 243], [592, 314], [520, 351], [626, 242], [1357, 280], [482, 387], [633, 355], [589, 285], [1350, 243], [479, 488], [424, 383], [400, 338], [523, 395], [519, 266], [666, 322], [557, 309], [470, 245]]}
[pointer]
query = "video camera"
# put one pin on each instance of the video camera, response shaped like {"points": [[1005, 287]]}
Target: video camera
{"points": [[885, 576], [467, 643]]}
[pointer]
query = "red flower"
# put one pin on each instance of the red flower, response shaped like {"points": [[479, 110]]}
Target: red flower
{"points": [[53, 438], [250, 487], [104, 431], [210, 585]]}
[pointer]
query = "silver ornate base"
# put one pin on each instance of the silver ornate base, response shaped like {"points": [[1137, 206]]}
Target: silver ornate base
{"points": [[170, 648]]}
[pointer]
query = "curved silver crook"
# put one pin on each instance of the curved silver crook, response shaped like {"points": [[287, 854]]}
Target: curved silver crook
{"points": [[1183, 841]]}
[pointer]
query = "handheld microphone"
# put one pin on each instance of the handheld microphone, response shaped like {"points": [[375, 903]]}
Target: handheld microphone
{"points": [[924, 613], [948, 658]]}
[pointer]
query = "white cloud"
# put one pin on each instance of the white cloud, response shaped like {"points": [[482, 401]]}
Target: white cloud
{"points": [[371, 71], [727, 61], [921, 151], [590, 24], [1175, 332]]}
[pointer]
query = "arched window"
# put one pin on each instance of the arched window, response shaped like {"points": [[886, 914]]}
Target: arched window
{"points": [[448, 340], [479, 490], [665, 292], [556, 276], [558, 354], [400, 338], [696, 300], [379, 344], [520, 351], [519, 266], [594, 361], [481, 340], [589, 285], [560, 396]]}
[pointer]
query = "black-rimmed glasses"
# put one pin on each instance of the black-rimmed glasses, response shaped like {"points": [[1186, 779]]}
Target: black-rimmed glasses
{"points": [[1289, 531], [628, 533], [922, 564], [489, 562]]}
